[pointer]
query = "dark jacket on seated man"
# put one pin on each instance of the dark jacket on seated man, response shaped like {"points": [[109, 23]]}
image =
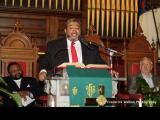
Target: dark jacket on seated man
{"points": [[145, 82], [138, 84], [25, 86]]}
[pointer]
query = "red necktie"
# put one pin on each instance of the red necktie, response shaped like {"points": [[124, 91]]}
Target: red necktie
{"points": [[74, 53]]}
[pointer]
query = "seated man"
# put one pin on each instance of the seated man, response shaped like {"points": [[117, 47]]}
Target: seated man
{"points": [[27, 87], [145, 82]]}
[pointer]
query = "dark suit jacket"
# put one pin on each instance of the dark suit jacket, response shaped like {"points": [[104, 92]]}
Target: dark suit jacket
{"points": [[57, 54], [132, 83], [27, 84]]}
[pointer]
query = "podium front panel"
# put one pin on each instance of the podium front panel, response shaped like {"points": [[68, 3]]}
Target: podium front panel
{"points": [[85, 83]]}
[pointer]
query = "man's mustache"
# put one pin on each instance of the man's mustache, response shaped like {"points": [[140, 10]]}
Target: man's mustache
{"points": [[18, 74]]}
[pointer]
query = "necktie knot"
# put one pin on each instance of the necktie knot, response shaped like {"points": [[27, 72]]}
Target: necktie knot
{"points": [[72, 44]]}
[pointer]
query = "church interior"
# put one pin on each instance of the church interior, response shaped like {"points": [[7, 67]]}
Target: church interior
{"points": [[26, 26]]}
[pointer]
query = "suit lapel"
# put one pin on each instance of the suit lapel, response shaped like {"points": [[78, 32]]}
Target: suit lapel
{"points": [[23, 84], [62, 52], [84, 54], [143, 79], [12, 85], [64, 45], [155, 80]]}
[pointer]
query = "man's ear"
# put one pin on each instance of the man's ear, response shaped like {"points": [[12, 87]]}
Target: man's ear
{"points": [[151, 67], [65, 30]]}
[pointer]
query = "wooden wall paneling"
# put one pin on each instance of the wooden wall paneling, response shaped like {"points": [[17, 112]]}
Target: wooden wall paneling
{"points": [[33, 25], [116, 44], [61, 23], [84, 16], [18, 47], [52, 27], [138, 48]]}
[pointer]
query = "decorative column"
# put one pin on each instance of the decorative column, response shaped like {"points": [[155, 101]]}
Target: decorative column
{"points": [[136, 13], [89, 15], [127, 16], [117, 15], [131, 15], [122, 17], [113, 6], [108, 8], [98, 15], [102, 16]]}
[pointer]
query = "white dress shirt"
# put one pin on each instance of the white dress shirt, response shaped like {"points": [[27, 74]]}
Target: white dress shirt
{"points": [[78, 48], [18, 82], [148, 79]]}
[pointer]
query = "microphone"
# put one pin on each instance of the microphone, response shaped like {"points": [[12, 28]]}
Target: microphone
{"points": [[87, 43], [113, 51]]}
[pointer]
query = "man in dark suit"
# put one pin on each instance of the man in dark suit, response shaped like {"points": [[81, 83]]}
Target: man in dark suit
{"points": [[27, 87], [145, 81], [62, 50]]}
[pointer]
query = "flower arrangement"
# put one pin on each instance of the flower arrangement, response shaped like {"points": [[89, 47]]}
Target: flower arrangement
{"points": [[151, 95], [14, 96]]}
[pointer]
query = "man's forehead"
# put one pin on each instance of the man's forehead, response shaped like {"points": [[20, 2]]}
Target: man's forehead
{"points": [[147, 62], [15, 66], [73, 24]]}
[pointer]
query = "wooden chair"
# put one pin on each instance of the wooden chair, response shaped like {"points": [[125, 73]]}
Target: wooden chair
{"points": [[138, 48], [17, 47]]}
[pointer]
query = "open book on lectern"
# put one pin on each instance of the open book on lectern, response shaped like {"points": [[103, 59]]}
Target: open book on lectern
{"points": [[80, 65]]}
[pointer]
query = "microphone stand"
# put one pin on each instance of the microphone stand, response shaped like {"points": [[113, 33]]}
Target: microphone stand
{"points": [[111, 51], [111, 54]]}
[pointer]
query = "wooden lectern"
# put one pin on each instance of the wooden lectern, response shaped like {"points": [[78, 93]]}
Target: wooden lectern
{"points": [[76, 84]]}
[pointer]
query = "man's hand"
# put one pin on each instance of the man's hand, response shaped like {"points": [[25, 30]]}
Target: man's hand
{"points": [[114, 73], [42, 76], [23, 94]]}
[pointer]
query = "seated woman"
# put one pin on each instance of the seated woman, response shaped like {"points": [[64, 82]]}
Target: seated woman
{"points": [[145, 82]]}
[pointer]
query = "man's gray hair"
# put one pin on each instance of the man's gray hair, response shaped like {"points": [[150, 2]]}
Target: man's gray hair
{"points": [[146, 58]]}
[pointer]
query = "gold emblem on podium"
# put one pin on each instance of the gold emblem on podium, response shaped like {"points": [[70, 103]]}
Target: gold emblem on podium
{"points": [[101, 99], [91, 89], [75, 91]]}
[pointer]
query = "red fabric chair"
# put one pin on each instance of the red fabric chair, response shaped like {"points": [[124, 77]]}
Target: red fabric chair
{"points": [[42, 101], [136, 96], [135, 68], [137, 48], [124, 96]]}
